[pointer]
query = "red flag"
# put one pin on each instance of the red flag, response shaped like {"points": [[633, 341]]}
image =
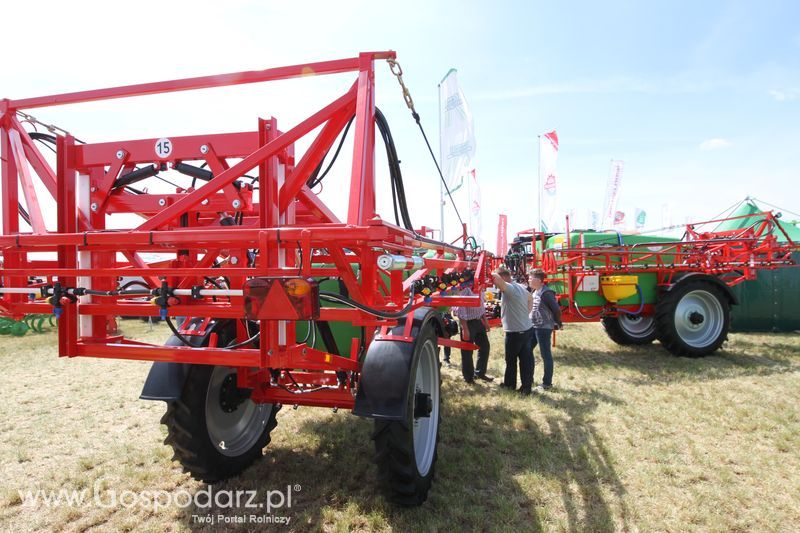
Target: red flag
{"points": [[553, 138]]}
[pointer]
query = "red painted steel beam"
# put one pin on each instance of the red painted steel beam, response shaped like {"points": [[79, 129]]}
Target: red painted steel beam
{"points": [[341, 398], [202, 82], [23, 171], [361, 207], [10, 187], [38, 162], [209, 236], [183, 148], [67, 255], [177, 354], [461, 345]]}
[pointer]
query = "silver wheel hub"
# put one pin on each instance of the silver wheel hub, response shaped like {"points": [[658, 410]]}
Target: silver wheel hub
{"points": [[234, 424], [699, 318], [426, 408], [637, 325]]}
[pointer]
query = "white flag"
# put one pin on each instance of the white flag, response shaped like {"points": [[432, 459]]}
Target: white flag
{"points": [[475, 221], [457, 137], [666, 216], [548, 155], [594, 216], [502, 236], [612, 195]]}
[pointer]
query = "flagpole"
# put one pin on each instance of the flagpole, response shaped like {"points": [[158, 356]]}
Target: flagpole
{"points": [[441, 162], [539, 188], [469, 205]]}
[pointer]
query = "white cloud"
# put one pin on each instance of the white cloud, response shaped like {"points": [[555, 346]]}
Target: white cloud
{"points": [[784, 96], [714, 144]]}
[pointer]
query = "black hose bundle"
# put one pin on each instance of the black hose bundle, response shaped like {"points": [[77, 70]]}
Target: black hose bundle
{"points": [[399, 202]]}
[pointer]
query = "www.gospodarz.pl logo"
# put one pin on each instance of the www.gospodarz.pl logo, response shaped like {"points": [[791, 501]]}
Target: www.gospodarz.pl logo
{"points": [[203, 499]]}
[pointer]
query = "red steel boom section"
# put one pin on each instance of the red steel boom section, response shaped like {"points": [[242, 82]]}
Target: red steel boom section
{"points": [[734, 256], [281, 229]]}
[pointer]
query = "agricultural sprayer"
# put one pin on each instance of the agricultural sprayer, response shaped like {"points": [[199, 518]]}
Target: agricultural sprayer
{"points": [[271, 297], [644, 288]]}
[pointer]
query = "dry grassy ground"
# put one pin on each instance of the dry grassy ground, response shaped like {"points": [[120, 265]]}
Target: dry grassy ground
{"points": [[631, 439]]}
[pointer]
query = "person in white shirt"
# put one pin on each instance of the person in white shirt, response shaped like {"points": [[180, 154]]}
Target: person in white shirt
{"points": [[515, 307]]}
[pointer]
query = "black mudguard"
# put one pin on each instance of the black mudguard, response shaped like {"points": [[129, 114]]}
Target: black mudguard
{"points": [[386, 371], [699, 276], [165, 380]]}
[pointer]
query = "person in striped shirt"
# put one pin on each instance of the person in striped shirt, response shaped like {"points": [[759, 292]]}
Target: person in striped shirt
{"points": [[473, 329]]}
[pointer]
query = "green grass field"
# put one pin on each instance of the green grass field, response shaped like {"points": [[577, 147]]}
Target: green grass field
{"points": [[630, 439]]}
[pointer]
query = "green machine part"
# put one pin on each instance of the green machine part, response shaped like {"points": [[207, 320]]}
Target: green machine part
{"points": [[769, 302], [647, 282], [17, 328], [343, 332], [9, 326]]}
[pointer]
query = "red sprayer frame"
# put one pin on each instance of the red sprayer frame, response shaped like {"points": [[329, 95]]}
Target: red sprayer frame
{"points": [[287, 233], [733, 256]]}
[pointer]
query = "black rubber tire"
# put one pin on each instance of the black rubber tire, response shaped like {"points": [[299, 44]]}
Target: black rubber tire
{"points": [[402, 482], [666, 330], [617, 333], [188, 434]]}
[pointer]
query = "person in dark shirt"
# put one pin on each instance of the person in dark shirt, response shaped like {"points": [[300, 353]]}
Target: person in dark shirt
{"points": [[545, 316]]}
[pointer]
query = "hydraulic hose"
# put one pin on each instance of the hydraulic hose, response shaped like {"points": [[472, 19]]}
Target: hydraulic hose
{"points": [[332, 296], [641, 303]]}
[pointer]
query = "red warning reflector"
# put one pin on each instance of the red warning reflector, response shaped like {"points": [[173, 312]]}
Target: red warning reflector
{"points": [[281, 299]]}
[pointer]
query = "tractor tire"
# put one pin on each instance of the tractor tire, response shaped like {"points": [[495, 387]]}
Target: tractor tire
{"points": [[693, 319], [214, 430], [406, 450], [627, 330]]}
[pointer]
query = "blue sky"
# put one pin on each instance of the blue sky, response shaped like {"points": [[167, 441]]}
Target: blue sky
{"points": [[700, 99]]}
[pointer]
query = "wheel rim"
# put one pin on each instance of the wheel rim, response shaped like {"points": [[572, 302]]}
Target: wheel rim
{"points": [[424, 430], [637, 325], [233, 432], [699, 318]]}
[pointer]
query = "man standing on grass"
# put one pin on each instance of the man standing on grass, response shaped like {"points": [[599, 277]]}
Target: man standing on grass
{"points": [[545, 317], [473, 329], [515, 307]]}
